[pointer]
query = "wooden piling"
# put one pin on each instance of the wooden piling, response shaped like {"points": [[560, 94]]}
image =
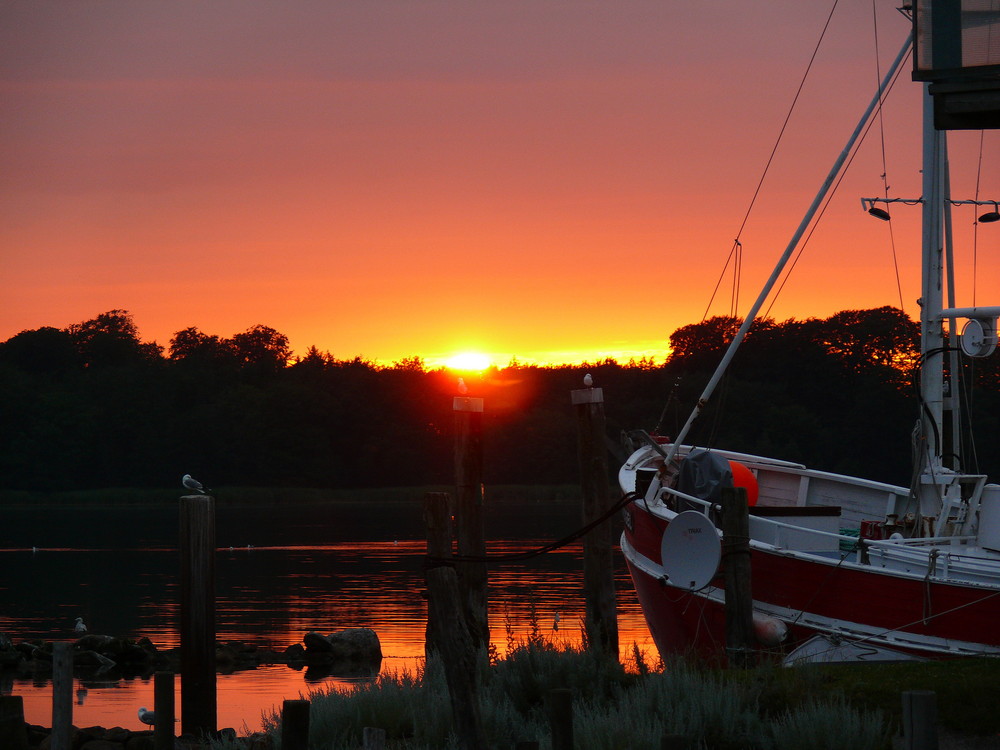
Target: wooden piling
{"points": [[295, 725], [469, 515], [447, 628], [740, 640], [437, 523], [920, 720], [601, 619], [13, 730], [559, 706], [62, 695], [163, 709], [197, 627]]}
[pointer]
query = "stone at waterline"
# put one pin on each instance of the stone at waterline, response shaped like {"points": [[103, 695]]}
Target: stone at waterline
{"points": [[353, 644]]}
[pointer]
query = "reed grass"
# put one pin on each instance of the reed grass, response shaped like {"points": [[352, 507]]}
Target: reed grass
{"points": [[614, 709]]}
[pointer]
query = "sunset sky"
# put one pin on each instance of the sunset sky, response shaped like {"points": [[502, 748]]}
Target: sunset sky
{"points": [[548, 180]]}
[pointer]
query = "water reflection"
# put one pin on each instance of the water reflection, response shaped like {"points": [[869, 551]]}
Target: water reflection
{"points": [[317, 568]]}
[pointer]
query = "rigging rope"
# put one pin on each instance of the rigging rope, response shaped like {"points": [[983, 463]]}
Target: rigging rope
{"points": [[432, 561], [770, 158]]}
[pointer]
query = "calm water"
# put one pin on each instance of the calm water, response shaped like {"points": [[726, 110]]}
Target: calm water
{"points": [[281, 571]]}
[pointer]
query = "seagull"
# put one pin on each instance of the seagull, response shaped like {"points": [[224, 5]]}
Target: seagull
{"points": [[79, 627], [462, 387], [555, 622], [588, 380], [191, 483], [147, 717]]}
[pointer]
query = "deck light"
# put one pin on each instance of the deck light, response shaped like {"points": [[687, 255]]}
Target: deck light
{"points": [[990, 216]]}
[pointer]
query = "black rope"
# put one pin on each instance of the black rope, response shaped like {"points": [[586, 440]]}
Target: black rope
{"points": [[432, 561]]}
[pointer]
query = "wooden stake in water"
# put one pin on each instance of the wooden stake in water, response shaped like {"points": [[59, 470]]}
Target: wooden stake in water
{"points": [[62, 694], [601, 621], [197, 549], [163, 709], [295, 725], [448, 636], [470, 524]]}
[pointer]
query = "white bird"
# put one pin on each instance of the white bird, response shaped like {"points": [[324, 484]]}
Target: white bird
{"points": [[191, 483], [588, 380], [147, 717], [555, 622], [79, 627], [462, 387]]}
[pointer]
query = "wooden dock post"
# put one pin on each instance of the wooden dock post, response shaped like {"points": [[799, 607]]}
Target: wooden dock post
{"points": [[197, 550], [295, 725], [437, 523], [559, 705], [447, 629], [920, 720], [163, 709], [601, 619], [740, 640], [13, 730], [62, 695], [469, 515]]}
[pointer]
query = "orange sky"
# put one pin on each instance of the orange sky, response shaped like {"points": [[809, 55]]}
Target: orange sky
{"points": [[552, 181]]}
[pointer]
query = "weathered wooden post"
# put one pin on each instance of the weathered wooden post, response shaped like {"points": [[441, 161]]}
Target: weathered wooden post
{"points": [[448, 630], [13, 730], [295, 725], [920, 720], [470, 522], [62, 695], [601, 620], [163, 709], [197, 550], [740, 641], [437, 523], [559, 703]]}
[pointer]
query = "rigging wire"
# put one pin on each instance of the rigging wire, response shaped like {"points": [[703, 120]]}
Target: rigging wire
{"points": [[826, 204], [885, 170], [770, 158]]}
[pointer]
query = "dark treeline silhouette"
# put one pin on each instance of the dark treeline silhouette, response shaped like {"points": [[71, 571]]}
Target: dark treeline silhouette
{"points": [[92, 406]]}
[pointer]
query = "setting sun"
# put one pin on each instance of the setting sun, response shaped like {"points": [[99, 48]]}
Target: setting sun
{"points": [[468, 362]]}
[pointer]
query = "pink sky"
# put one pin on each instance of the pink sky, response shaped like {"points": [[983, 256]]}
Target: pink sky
{"points": [[552, 181]]}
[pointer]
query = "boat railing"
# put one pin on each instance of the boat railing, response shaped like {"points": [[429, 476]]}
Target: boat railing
{"points": [[779, 534]]}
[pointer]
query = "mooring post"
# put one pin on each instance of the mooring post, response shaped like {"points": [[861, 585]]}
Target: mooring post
{"points": [[295, 725], [448, 634], [920, 720], [469, 514], [601, 620], [62, 695], [13, 730], [163, 708], [559, 703], [197, 550], [740, 641], [437, 523]]}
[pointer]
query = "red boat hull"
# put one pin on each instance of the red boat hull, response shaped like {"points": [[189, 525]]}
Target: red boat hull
{"points": [[904, 612]]}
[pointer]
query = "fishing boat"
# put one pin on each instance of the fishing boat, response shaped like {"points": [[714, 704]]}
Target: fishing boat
{"points": [[841, 568]]}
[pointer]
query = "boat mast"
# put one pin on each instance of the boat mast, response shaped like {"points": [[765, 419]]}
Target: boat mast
{"points": [[786, 256], [931, 300]]}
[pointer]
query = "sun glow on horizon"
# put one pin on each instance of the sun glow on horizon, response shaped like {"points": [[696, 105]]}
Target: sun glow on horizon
{"points": [[468, 362]]}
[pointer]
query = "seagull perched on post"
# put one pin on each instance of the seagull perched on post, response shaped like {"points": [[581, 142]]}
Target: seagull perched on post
{"points": [[191, 483], [588, 380], [79, 627], [462, 387], [147, 717]]}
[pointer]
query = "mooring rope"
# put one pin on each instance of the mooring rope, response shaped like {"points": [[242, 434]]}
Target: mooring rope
{"points": [[432, 561]]}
